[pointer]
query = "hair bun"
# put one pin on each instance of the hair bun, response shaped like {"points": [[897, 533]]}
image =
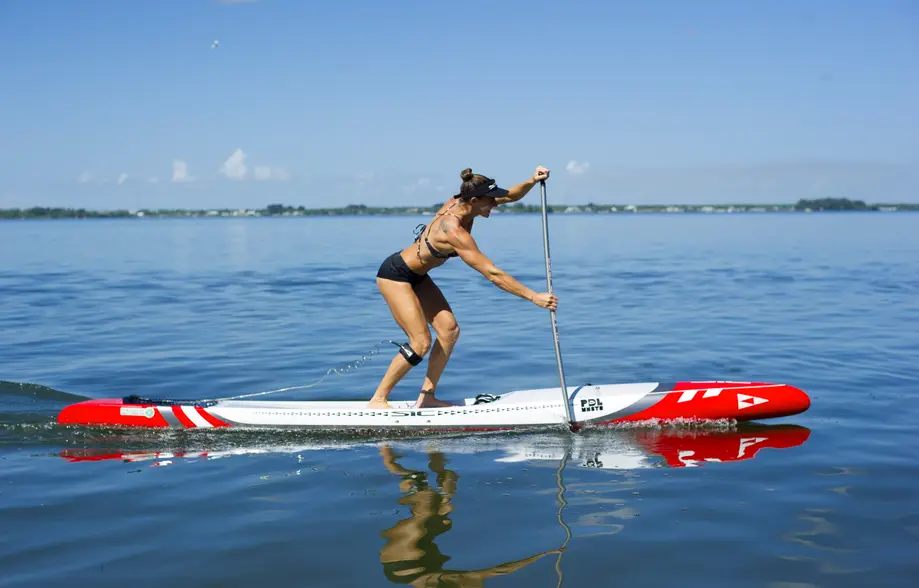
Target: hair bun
{"points": [[466, 174]]}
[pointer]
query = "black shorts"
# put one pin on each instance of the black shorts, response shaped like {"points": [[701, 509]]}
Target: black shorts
{"points": [[395, 268]]}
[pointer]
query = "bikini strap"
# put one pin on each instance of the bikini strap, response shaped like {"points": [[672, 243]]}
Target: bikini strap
{"points": [[421, 228]]}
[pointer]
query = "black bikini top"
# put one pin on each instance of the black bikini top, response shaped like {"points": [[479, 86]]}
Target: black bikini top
{"points": [[420, 230]]}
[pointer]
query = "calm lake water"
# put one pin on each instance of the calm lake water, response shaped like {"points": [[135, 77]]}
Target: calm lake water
{"points": [[191, 308]]}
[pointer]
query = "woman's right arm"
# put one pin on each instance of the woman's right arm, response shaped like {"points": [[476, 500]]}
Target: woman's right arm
{"points": [[469, 252]]}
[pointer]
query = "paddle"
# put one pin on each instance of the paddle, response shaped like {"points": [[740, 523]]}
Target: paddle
{"points": [[558, 351]]}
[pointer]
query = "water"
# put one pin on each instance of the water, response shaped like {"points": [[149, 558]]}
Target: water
{"points": [[194, 308]]}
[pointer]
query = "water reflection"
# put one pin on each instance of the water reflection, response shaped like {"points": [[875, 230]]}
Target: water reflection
{"points": [[608, 449], [410, 555]]}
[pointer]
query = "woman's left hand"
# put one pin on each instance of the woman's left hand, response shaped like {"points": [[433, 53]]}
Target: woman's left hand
{"points": [[540, 174]]}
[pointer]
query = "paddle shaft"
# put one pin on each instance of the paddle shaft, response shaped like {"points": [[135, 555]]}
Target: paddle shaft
{"points": [[558, 351]]}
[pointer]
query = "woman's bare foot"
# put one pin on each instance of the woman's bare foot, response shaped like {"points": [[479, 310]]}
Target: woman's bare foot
{"points": [[426, 400], [378, 403]]}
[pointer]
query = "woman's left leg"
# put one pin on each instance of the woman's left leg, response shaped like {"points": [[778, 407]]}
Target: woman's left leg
{"points": [[438, 313], [406, 309]]}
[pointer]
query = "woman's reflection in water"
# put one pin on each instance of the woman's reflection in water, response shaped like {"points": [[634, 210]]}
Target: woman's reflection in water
{"points": [[410, 555]]}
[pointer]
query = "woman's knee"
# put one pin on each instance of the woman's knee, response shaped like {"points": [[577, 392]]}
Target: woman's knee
{"points": [[449, 333], [420, 342]]}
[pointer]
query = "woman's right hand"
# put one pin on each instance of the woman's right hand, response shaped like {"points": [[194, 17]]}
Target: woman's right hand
{"points": [[546, 300]]}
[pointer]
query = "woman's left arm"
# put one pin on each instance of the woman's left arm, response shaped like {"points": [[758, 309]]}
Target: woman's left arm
{"points": [[517, 192]]}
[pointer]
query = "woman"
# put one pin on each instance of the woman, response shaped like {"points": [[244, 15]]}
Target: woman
{"points": [[415, 300]]}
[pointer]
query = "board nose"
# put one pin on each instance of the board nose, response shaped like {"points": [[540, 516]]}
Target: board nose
{"points": [[798, 399], [774, 401]]}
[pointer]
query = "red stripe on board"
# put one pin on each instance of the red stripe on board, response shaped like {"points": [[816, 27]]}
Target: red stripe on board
{"points": [[177, 410], [214, 421]]}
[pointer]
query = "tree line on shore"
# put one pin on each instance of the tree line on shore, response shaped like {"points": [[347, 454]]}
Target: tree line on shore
{"points": [[815, 205]]}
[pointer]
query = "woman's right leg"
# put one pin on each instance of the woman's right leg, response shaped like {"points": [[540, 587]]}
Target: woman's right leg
{"points": [[406, 310]]}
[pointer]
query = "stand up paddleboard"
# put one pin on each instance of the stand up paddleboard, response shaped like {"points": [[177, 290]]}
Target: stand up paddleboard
{"points": [[575, 406], [590, 405]]}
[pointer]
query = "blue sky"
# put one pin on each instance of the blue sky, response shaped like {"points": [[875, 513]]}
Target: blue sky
{"points": [[126, 104]]}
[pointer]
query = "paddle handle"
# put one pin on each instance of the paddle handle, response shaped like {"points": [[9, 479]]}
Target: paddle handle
{"points": [[558, 350]]}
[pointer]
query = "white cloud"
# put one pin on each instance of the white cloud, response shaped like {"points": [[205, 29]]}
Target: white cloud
{"points": [[265, 172], [122, 178], [180, 172], [577, 168], [84, 177], [421, 184], [235, 166]]}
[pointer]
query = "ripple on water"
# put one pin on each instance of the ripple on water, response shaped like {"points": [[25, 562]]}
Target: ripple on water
{"points": [[208, 308]]}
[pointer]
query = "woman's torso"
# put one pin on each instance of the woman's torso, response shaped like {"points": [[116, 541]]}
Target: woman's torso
{"points": [[433, 236]]}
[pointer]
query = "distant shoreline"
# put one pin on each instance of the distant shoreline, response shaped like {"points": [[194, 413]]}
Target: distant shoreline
{"points": [[805, 206]]}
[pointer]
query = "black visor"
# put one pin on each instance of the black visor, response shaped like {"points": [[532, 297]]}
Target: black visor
{"points": [[489, 189]]}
